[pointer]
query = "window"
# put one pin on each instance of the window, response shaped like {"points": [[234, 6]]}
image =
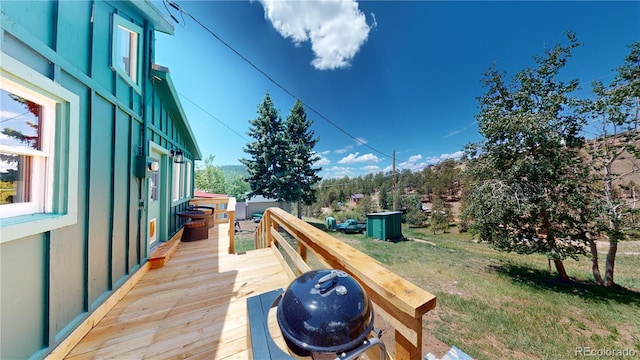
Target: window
{"points": [[26, 126], [176, 181], [38, 152], [181, 181], [127, 50], [154, 179], [187, 176]]}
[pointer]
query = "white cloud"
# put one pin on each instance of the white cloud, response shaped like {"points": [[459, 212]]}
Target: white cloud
{"points": [[361, 141], [338, 172], [357, 158], [321, 162], [456, 132], [416, 162], [413, 163], [371, 168], [374, 22], [326, 152], [6, 115], [436, 159], [336, 28], [344, 149], [414, 158]]}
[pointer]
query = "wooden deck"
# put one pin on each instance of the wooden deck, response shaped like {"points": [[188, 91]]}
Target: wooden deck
{"points": [[194, 307]]}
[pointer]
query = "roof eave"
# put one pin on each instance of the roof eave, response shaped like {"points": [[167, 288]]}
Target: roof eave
{"points": [[162, 81], [153, 15]]}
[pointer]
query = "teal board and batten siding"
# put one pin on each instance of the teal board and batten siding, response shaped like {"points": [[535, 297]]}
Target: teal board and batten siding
{"points": [[169, 128], [51, 281]]}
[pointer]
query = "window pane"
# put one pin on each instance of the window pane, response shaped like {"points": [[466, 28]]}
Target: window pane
{"points": [[133, 56], [15, 178], [21, 121], [176, 182], [128, 52], [154, 186]]}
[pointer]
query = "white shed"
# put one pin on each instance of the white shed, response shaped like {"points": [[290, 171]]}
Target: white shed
{"points": [[258, 204]]}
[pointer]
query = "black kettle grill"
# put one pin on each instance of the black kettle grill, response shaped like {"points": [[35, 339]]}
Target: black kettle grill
{"points": [[326, 312]]}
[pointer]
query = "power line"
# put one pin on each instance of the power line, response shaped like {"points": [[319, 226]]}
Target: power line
{"points": [[215, 118], [14, 117], [357, 140]]}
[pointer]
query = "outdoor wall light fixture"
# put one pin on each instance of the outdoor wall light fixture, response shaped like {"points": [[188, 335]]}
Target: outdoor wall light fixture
{"points": [[154, 165], [177, 156]]}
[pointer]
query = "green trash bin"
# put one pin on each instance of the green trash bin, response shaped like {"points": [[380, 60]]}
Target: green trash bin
{"points": [[330, 223]]}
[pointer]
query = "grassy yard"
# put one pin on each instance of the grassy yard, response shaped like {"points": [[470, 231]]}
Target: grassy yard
{"points": [[494, 305]]}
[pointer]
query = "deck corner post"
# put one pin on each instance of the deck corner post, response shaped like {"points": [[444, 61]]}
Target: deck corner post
{"points": [[405, 350]]}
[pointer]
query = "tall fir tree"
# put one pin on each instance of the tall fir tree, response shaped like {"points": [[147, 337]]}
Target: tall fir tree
{"points": [[267, 167], [301, 157]]}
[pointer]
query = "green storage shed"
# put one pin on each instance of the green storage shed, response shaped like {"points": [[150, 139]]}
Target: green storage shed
{"points": [[385, 225]]}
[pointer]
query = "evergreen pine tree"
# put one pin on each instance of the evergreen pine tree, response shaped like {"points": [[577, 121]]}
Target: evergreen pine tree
{"points": [[300, 139], [268, 151]]}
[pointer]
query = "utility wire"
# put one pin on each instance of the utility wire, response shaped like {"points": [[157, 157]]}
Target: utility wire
{"points": [[215, 118], [179, 8], [14, 117]]}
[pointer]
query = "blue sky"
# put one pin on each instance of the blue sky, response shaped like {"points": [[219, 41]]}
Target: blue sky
{"points": [[399, 76]]}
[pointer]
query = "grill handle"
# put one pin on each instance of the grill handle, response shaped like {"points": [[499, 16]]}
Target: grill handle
{"points": [[366, 345]]}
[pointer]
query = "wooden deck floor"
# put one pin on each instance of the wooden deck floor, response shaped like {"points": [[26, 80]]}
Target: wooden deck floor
{"points": [[194, 307]]}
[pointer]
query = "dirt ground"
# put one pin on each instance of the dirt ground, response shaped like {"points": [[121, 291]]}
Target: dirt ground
{"points": [[246, 226]]}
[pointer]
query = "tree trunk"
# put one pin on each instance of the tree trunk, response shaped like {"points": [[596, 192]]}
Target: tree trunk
{"points": [[611, 260], [561, 270], [595, 268], [299, 209]]}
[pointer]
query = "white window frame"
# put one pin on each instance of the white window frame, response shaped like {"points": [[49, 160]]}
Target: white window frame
{"points": [[175, 183], [41, 165], [54, 197], [181, 181], [121, 25], [188, 179]]}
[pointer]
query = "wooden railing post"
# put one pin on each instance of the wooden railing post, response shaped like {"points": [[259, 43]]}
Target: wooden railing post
{"points": [[405, 350], [302, 251], [267, 230], [231, 215]]}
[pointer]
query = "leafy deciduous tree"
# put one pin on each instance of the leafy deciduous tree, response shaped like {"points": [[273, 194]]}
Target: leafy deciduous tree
{"points": [[617, 108], [440, 215], [214, 179], [528, 177]]}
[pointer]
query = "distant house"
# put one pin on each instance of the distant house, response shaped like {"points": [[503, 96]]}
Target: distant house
{"points": [[207, 195], [258, 204], [355, 198], [96, 160]]}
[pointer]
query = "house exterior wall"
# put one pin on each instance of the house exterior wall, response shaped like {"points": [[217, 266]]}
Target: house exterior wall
{"points": [[52, 280]]}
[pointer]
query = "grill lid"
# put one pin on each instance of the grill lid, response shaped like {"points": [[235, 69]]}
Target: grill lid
{"points": [[324, 311]]}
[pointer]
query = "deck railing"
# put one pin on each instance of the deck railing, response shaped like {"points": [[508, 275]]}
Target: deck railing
{"points": [[401, 303], [225, 212]]}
